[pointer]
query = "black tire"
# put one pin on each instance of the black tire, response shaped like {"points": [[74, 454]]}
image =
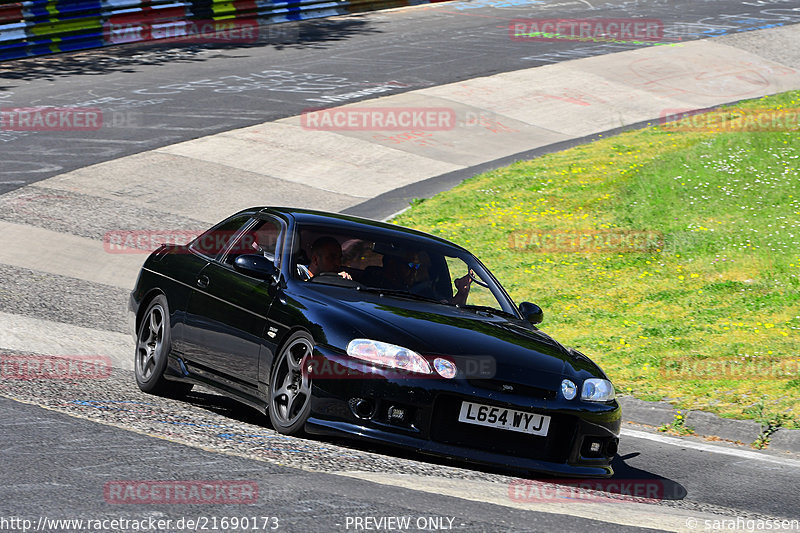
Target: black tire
{"points": [[290, 386], [152, 348]]}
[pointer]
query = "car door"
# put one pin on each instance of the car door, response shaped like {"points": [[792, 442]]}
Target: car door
{"points": [[184, 270], [227, 311]]}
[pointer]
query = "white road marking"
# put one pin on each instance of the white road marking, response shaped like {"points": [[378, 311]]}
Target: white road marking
{"points": [[110, 141], [398, 213], [625, 513], [25, 334], [43, 167], [743, 454], [44, 250]]}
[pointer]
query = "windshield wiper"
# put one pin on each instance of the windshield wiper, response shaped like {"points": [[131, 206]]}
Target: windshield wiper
{"points": [[399, 292]]}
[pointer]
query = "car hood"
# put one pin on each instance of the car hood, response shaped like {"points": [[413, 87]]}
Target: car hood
{"points": [[517, 352]]}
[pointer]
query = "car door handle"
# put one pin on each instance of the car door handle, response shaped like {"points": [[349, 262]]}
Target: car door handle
{"points": [[202, 282]]}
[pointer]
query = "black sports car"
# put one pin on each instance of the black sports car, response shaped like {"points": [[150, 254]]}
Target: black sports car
{"points": [[343, 326]]}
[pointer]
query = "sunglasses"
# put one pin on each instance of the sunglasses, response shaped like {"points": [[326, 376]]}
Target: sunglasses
{"points": [[414, 266]]}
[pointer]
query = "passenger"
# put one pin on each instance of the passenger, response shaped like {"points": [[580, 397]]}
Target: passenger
{"points": [[423, 285], [462, 289], [396, 274], [419, 264], [415, 277]]}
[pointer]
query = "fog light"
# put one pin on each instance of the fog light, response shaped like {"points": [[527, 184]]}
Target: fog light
{"points": [[362, 408], [445, 367]]}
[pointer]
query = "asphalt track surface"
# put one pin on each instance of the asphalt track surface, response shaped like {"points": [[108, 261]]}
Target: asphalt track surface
{"points": [[57, 460], [156, 95]]}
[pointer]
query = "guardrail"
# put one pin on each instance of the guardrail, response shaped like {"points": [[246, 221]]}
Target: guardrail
{"points": [[39, 27]]}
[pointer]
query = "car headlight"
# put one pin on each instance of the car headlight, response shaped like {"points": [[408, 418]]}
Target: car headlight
{"points": [[388, 355], [597, 390]]}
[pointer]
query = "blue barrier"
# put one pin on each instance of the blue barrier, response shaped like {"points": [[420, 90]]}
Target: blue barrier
{"points": [[39, 27]]}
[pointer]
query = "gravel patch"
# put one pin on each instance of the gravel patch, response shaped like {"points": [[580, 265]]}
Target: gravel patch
{"points": [[769, 43]]}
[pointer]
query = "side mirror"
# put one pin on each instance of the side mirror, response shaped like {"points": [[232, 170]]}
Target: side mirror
{"points": [[531, 312], [256, 266]]}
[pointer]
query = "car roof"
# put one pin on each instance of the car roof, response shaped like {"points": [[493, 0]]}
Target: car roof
{"points": [[345, 222]]}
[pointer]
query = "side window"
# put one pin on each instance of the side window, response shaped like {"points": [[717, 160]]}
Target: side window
{"points": [[213, 241], [261, 238]]}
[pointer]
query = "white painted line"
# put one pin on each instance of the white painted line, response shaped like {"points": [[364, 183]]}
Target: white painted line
{"points": [[44, 250], [743, 454], [164, 127], [398, 213], [44, 167], [110, 141], [624, 513], [25, 334]]}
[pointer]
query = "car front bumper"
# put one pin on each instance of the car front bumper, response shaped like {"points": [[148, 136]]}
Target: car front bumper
{"points": [[422, 414]]}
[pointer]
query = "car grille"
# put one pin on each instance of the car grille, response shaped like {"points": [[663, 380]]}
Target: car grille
{"points": [[446, 428], [513, 388]]}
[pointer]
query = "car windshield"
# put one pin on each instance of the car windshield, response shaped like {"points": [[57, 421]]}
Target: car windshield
{"points": [[399, 265]]}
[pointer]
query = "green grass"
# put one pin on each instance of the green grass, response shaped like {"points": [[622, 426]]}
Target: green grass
{"points": [[721, 283]]}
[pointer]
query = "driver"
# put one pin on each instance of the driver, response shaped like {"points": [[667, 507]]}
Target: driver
{"points": [[326, 256]]}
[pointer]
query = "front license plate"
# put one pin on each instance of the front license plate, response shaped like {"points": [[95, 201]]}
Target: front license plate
{"points": [[501, 418]]}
